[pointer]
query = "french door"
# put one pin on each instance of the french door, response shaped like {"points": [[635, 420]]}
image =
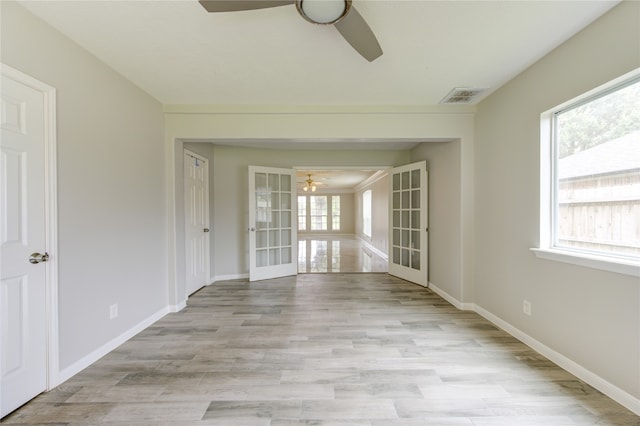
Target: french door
{"points": [[272, 228], [408, 229]]}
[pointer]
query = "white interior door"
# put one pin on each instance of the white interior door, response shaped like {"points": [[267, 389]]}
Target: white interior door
{"points": [[408, 223], [196, 193], [273, 239], [23, 326]]}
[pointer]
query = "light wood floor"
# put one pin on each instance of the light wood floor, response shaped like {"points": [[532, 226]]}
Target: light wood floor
{"points": [[323, 349]]}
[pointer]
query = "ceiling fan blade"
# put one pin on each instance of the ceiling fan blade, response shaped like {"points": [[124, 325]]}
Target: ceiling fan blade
{"points": [[238, 5], [356, 31]]}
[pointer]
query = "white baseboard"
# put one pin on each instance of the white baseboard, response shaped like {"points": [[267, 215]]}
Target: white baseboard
{"points": [[177, 308], [571, 366], [449, 298], [374, 249], [612, 391], [231, 277], [89, 359]]}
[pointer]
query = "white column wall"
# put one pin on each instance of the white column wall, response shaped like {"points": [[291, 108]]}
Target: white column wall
{"points": [[354, 124]]}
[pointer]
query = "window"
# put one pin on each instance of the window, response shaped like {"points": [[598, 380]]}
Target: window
{"points": [[366, 213], [335, 213], [318, 210], [302, 212], [591, 166]]}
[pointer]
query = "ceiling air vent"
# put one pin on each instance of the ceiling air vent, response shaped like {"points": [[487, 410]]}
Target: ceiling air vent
{"points": [[462, 95]]}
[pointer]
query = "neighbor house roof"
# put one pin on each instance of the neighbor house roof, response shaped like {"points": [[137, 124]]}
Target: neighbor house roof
{"points": [[622, 154]]}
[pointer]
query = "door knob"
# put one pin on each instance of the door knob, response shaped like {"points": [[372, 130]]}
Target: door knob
{"points": [[38, 258]]}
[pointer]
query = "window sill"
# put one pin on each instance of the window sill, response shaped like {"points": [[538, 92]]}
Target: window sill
{"points": [[620, 266]]}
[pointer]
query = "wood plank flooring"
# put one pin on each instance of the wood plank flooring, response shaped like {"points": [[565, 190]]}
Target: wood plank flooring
{"points": [[322, 349]]}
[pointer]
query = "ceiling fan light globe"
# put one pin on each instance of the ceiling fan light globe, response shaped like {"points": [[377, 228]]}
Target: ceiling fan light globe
{"points": [[323, 12]]}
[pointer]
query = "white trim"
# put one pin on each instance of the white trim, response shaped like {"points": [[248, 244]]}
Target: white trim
{"points": [[325, 110], [449, 298], [372, 179], [609, 389], [326, 191], [366, 198], [334, 167], [374, 249], [619, 266], [94, 356], [51, 216], [323, 234], [230, 277], [51, 208], [177, 308]]}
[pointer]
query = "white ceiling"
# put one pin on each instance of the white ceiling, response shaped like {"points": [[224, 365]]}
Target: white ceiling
{"points": [[180, 54], [333, 180]]}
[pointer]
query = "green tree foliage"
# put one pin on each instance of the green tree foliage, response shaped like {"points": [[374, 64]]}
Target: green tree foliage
{"points": [[601, 120]]}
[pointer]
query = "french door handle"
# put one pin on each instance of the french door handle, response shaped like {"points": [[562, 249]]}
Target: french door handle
{"points": [[38, 258], [206, 230], [252, 229]]}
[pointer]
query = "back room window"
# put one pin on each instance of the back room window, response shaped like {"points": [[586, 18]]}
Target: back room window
{"points": [[596, 173]]}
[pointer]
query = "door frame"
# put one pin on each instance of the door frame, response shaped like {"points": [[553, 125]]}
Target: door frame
{"points": [[51, 215], [192, 154]]}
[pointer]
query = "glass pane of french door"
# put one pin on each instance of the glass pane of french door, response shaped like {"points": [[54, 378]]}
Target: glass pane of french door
{"points": [[272, 238], [408, 223]]}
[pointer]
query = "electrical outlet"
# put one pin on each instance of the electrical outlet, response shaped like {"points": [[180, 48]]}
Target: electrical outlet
{"points": [[526, 307], [113, 311]]}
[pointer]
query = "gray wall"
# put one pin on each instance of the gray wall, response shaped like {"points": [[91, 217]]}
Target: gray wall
{"points": [[590, 316], [445, 208], [347, 214], [111, 180]]}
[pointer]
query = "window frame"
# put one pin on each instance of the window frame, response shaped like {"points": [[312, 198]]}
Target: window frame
{"points": [[367, 210], [302, 209], [336, 212], [329, 217], [323, 216], [547, 248]]}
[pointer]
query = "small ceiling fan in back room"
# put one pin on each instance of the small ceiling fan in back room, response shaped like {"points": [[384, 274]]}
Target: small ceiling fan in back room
{"points": [[339, 13]]}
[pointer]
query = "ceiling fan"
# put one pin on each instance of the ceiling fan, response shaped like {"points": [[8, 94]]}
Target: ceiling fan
{"points": [[339, 13], [309, 184]]}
